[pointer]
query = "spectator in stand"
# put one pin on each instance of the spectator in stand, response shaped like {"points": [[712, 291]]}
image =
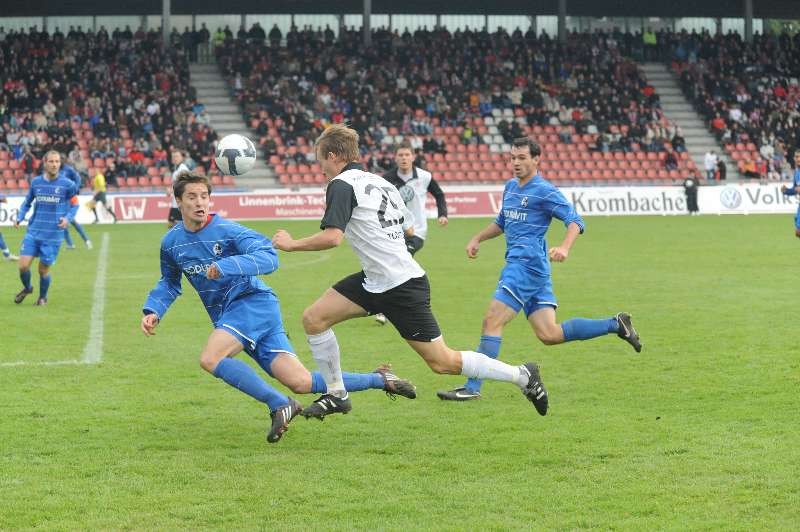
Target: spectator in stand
{"points": [[749, 169], [722, 169], [710, 164], [670, 161]]}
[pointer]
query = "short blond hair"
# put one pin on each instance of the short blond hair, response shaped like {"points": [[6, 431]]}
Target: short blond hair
{"points": [[339, 140]]}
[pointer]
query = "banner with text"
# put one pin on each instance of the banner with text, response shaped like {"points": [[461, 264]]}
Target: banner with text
{"points": [[461, 201]]}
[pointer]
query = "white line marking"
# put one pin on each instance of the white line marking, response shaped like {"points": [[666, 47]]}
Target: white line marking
{"points": [[321, 258], [42, 363], [93, 352]]}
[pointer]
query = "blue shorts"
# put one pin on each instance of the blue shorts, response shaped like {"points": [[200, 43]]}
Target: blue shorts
{"points": [[521, 289], [797, 220], [46, 250], [255, 320]]}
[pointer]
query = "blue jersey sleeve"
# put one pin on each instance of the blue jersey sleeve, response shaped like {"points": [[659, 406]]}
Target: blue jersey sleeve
{"points": [[166, 290], [71, 174], [501, 217], [74, 206], [256, 256], [562, 209], [26, 204]]}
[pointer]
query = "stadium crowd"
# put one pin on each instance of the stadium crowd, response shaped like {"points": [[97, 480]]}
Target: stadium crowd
{"points": [[747, 92], [114, 103], [473, 82]]}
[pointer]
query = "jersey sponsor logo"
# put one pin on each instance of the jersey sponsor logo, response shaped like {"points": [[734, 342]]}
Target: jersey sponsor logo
{"points": [[196, 269], [514, 214], [49, 199]]}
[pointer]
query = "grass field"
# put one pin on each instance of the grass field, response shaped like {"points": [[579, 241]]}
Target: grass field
{"points": [[699, 431]]}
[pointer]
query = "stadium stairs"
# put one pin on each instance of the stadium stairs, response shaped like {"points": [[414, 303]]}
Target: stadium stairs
{"points": [[226, 118], [680, 110]]}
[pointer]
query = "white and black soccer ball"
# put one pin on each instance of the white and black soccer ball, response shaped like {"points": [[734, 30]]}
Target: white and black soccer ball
{"points": [[235, 155]]}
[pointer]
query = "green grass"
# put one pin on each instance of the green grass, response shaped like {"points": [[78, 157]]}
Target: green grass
{"points": [[699, 431]]}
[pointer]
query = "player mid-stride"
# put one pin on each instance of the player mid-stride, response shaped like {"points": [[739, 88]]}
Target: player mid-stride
{"points": [[222, 260]]}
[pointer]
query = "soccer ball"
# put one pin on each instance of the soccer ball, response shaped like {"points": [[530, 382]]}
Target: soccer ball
{"points": [[235, 155]]}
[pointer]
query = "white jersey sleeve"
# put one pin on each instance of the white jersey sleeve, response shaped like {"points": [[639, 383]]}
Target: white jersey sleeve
{"points": [[372, 215]]}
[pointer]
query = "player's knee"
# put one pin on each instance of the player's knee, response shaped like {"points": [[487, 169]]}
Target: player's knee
{"points": [[313, 322], [299, 384], [209, 362], [550, 336]]}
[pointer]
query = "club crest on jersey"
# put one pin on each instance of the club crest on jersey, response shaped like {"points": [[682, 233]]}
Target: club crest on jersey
{"points": [[57, 189], [217, 249], [524, 201]]}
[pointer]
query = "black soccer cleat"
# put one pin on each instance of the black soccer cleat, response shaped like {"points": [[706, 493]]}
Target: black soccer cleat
{"points": [[41, 302], [21, 295], [394, 385], [281, 419], [328, 404], [627, 332], [534, 391], [458, 394]]}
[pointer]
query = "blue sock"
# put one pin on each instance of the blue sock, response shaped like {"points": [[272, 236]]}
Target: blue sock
{"points": [[584, 329], [353, 382], [25, 277], [489, 346], [3, 246], [79, 228], [68, 238], [244, 378], [44, 285]]}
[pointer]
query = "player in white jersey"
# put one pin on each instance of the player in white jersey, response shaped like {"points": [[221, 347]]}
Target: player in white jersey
{"points": [[368, 211], [414, 185]]}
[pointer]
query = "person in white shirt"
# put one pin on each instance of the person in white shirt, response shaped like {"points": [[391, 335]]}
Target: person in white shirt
{"points": [[369, 212], [710, 163]]}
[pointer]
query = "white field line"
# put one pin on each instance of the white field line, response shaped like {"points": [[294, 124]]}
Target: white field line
{"points": [[93, 352]]}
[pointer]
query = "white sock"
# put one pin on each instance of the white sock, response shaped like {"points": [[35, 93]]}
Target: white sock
{"points": [[325, 351], [479, 366]]}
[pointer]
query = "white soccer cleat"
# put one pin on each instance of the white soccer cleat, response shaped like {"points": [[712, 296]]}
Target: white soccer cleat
{"points": [[89, 244], [381, 319], [10, 257]]}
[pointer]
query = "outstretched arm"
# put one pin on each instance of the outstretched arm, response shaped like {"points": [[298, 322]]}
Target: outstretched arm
{"points": [[491, 231], [256, 256], [328, 238], [165, 292]]}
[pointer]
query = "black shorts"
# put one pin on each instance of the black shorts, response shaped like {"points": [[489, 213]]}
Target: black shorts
{"points": [[407, 307], [100, 197], [414, 244], [174, 215]]}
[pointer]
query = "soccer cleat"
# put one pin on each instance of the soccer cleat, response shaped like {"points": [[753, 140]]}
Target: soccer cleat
{"points": [[70, 246], [327, 404], [89, 244], [458, 394], [281, 419], [10, 257], [21, 295], [42, 301], [394, 385], [534, 391], [627, 332], [381, 319]]}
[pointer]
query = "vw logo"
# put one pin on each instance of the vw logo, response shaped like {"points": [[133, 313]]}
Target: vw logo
{"points": [[730, 197]]}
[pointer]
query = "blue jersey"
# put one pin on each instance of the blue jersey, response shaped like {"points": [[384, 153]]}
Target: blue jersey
{"points": [[71, 174], [53, 202], [239, 253], [795, 183], [525, 216]]}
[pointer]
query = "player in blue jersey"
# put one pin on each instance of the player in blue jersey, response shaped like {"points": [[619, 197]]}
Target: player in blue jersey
{"points": [[795, 189], [7, 255], [222, 260], [73, 175], [54, 209], [529, 205]]}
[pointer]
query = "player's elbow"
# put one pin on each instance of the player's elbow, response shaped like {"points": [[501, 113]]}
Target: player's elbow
{"points": [[334, 237]]}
